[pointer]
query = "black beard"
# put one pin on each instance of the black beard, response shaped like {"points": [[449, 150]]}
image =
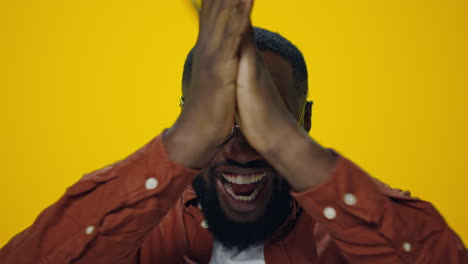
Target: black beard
{"points": [[236, 235]]}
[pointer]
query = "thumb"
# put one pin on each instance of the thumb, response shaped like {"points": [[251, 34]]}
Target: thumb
{"points": [[247, 59], [248, 45]]}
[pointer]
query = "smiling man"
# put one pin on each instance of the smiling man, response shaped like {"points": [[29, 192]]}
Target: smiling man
{"points": [[237, 179]]}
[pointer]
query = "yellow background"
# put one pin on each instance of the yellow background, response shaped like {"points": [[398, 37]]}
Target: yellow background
{"points": [[85, 83]]}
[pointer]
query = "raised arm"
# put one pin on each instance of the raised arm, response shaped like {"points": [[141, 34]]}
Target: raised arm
{"points": [[106, 216], [369, 222]]}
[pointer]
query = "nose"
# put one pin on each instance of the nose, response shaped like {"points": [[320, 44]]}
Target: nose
{"points": [[238, 149]]}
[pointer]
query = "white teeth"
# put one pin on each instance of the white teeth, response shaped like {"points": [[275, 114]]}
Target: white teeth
{"points": [[244, 179], [252, 196]]}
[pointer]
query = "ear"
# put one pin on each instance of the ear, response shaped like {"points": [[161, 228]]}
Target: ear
{"points": [[308, 116]]}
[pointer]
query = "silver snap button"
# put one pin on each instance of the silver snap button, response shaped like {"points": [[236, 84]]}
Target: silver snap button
{"points": [[350, 199], [329, 213], [151, 183], [407, 247], [89, 230]]}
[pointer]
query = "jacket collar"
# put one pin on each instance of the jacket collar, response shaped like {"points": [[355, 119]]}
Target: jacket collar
{"points": [[189, 197]]}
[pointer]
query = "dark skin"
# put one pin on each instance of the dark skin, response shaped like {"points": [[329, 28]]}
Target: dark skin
{"points": [[239, 150], [233, 83]]}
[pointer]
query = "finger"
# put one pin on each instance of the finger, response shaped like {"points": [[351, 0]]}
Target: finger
{"points": [[224, 13], [203, 14], [238, 23], [241, 17], [207, 24], [205, 6], [250, 62], [231, 33], [220, 18], [231, 4], [248, 45], [210, 12], [246, 13], [222, 9]]}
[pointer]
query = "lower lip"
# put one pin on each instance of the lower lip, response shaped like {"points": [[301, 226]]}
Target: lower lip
{"points": [[236, 205]]}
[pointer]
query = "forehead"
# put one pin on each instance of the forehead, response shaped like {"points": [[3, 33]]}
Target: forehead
{"points": [[282, 74]]}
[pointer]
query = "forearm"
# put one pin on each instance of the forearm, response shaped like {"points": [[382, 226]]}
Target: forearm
{"points": [[372, 223], [273, 129], [189, 145], [299, 159], [106, 215]]}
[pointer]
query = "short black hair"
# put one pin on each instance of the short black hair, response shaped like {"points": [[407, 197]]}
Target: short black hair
{"points": [[274, 42]]}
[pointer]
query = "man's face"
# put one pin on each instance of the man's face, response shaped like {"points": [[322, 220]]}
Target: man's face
{"points": [[239, 190]]}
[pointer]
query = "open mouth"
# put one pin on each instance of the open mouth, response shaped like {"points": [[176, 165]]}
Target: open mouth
{"points": [[242, 192], [243, 187]]}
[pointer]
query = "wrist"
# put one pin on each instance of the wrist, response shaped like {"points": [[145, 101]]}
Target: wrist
{"points": [[302, 161], [284, 142], [187, 148], [277, 139]]}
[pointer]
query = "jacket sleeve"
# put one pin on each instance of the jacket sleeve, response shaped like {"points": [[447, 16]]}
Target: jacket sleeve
{"points": [[106, 216], [372, 223]]}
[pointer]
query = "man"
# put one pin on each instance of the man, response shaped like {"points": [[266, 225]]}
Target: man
{"points": [[263, 190]]}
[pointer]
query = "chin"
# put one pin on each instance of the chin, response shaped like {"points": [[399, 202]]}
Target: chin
{"points": [[242, 217]]}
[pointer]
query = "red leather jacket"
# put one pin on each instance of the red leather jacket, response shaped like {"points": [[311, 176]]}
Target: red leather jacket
{"points": [[142, 210]]}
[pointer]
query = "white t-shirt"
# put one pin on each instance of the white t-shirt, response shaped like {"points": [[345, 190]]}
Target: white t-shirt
{"points": [[222, 255]]}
